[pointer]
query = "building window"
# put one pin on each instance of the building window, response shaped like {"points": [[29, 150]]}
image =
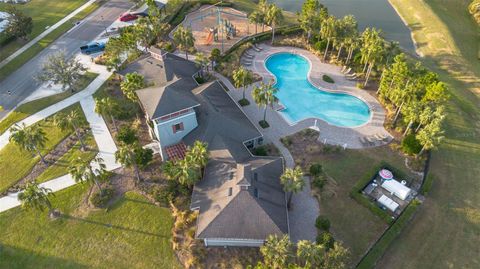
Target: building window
{"points": [[177, 127], [255, 176]]}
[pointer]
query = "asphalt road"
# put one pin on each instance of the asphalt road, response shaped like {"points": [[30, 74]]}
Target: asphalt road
{"points": [[22, 82]]}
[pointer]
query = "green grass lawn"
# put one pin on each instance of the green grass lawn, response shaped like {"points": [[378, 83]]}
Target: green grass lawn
{"points": [[44, 13], [351, 223], [60, 167], [133, 234], [16, 163], [446, 230], [27, 109], [44, 42]]}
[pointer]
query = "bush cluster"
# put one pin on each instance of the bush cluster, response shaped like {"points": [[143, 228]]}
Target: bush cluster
{"points": [[101, 198]]}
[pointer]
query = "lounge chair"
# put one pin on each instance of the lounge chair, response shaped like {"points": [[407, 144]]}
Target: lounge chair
{"points": [[343, 68], [363, 140], [370, 140], [384, 137], [347, 71], [352, 78], [248, 56], [378, 137], [258, 47], [351, 75]]}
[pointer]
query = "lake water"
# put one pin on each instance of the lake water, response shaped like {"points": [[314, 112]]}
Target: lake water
{"points": [[369, 13]]}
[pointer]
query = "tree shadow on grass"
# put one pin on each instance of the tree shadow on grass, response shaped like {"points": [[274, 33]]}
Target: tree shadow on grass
{"points": [[108, 225]]}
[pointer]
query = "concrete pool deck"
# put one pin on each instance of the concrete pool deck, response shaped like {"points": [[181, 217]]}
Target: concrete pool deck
{"points": [[331, 134]]}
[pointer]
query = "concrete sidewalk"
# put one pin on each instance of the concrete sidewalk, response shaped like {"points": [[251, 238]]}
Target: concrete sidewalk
{"points": [[42, 114], [106, 151], [45, 33]]}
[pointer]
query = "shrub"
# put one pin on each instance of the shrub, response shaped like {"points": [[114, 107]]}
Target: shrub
{"points": [[328, 79], [199, 79], [287, 141], [244, 102], [260, 151], [167, 193], [322, 223], [127, 135], [360, 85], [264, 124], [316, 169], [101, 198], [410, 145], [319, 182], [326, 239], [320, 45]]}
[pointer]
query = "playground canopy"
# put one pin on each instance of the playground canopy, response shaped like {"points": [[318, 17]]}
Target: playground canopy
{"points": [[397, 188], [388, 203]]}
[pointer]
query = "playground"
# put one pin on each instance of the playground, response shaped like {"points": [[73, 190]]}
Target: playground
{"points": [[218, 27]]}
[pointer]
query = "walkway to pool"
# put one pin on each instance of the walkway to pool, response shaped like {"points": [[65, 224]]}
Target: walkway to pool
{"points": [[334, 135]]}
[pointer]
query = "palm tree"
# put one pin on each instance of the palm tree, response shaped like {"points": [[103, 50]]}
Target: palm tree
{"points": [[183, 37], [276, 251], [199, 153], [86, 171], [327, 31], [36, 197], [262, 8], [372, 50], [31, 138], [431, 135], [215, 56], [310, 17], [292, 181], [273, 17], [242, 78], [256, 18], [265, 95], [202, 61], [310, 253], [126, 156], [107, 106], [189, 171], [69, 121], [131, 83]]}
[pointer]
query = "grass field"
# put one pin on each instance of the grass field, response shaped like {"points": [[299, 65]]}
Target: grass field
{"points": [[44, 42], [60, 167], [44, 13], [27, 109], [351, 223], [23, 160], [133, 233], [446, 230]]}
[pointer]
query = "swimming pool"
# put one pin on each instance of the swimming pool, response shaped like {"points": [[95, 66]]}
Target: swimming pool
{"points": [[302, 100]]}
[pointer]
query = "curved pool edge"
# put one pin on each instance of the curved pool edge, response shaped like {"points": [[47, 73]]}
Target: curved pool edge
{"points": [[291, 122]]}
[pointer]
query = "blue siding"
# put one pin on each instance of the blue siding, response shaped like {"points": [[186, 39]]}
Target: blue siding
{"points": [[164, 130]]}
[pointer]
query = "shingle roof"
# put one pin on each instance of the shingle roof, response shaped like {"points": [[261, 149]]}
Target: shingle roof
{"points": [[229, 210], [163, 100]]}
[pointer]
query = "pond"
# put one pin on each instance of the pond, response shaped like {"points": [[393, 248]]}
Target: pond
{"points": [[369, 13]]}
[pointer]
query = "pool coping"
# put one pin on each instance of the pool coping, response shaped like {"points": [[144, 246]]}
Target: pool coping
{"points": [[319, 88], [348, 137]]}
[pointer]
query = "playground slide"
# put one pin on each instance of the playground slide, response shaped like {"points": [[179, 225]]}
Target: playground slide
{"points": [[209, 39]]}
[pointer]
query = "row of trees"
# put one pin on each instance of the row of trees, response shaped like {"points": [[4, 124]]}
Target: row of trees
{"points": [[280, 253], [330, 33], [417, 97], [266, 14]]}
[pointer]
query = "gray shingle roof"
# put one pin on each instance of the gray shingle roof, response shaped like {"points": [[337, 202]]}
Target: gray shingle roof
{"points": [[229, 210], [173, 97]]}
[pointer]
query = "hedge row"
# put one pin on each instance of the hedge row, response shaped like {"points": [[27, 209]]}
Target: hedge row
{"points": [[356, 192], [377, 251]]}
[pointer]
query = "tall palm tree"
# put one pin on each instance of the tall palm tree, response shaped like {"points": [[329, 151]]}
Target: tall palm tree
{"points": [[431, 135], [327, 31], [292, 181], [273, 17], [310, 17], [202, 61], [256, 18], [72, 120], [131, 83], [184, 39], [36, 197], [86, 171], [189, 171], [199, 153], [276, 251], [265, 95], [127, 157], [242, 78], [107, 106], [262, 8], [310, 253], [31, 138]]}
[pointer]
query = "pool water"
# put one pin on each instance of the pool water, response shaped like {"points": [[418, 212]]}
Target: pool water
{"points": [[302, 100]]}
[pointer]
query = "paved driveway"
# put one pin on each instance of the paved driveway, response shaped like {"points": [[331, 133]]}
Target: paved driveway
{"points": [[303, 214]]}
